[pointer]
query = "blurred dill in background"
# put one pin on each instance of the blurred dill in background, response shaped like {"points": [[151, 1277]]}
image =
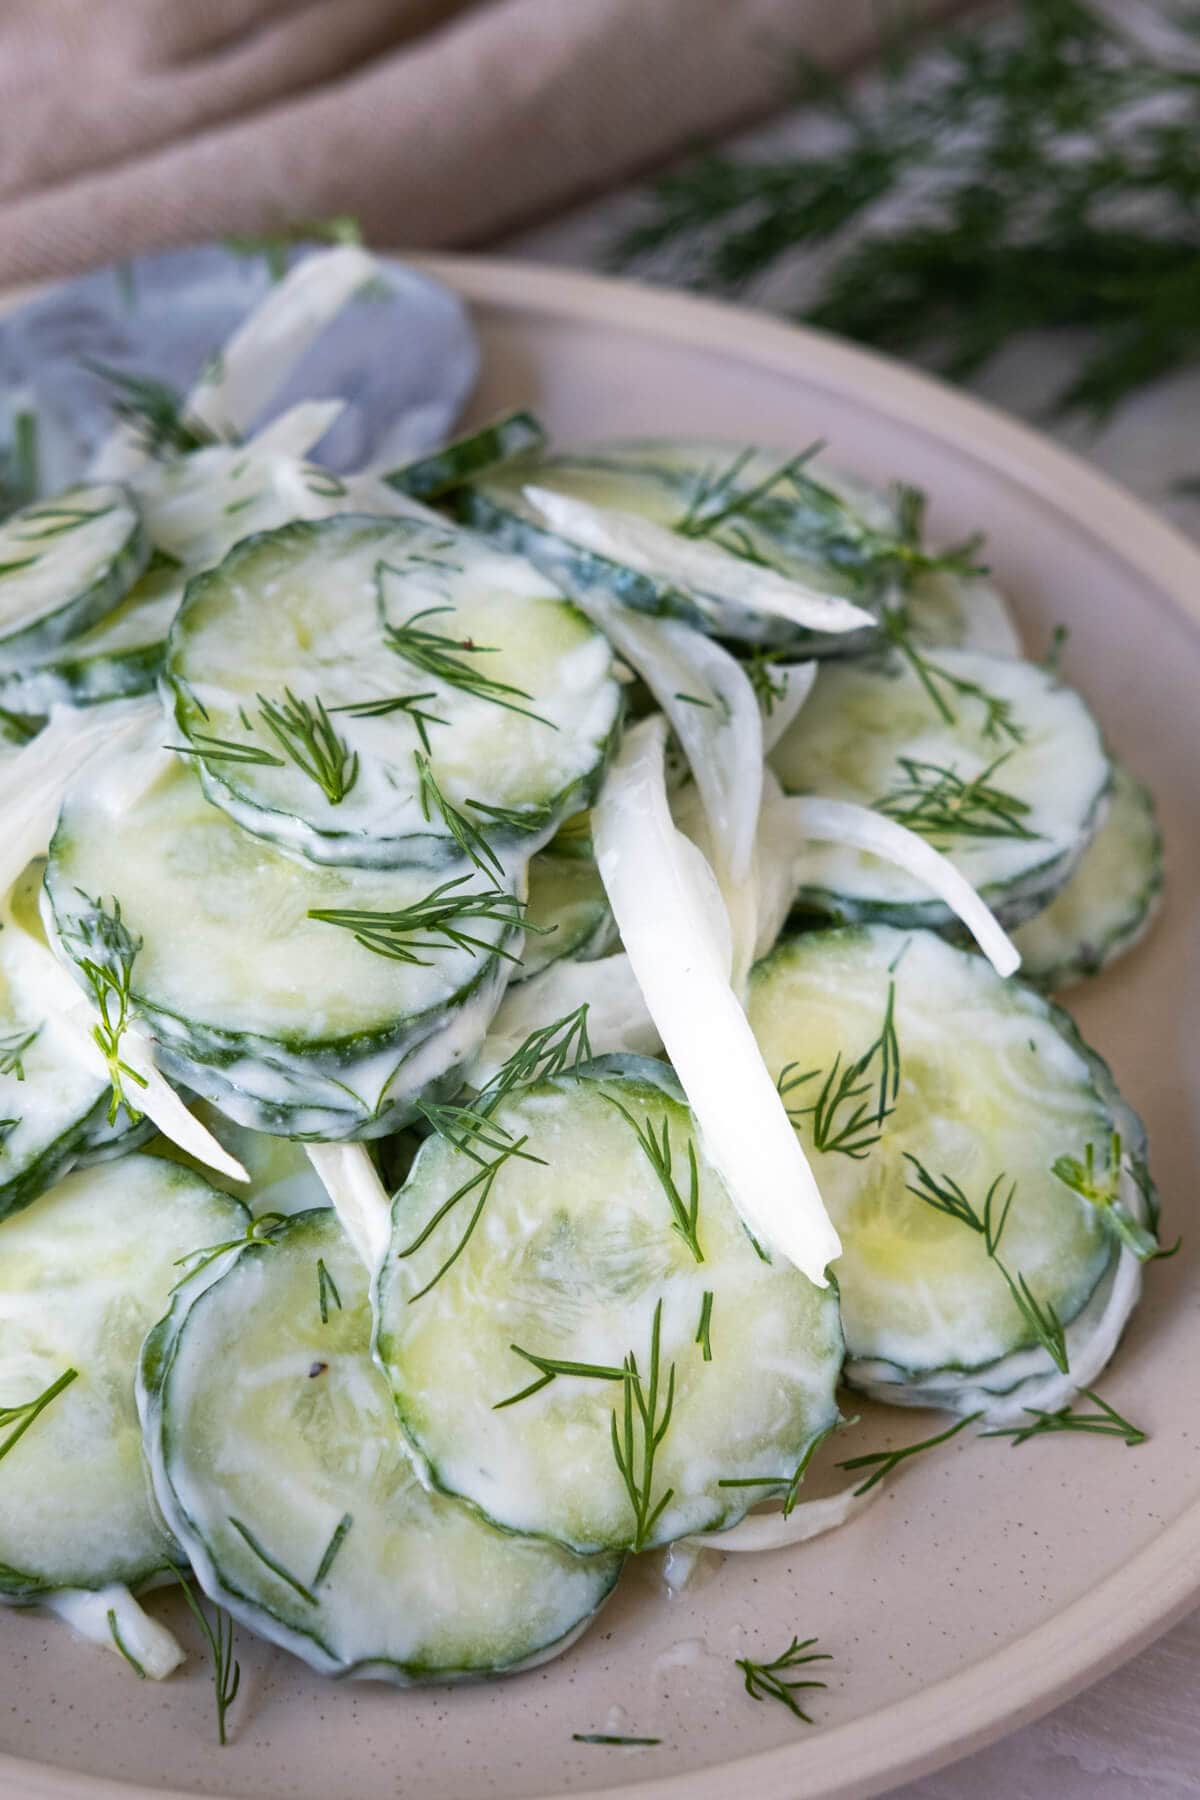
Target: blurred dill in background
{"points": [[1032, 172]]}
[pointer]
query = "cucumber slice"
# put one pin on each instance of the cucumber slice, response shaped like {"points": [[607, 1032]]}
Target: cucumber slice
{"points": [[515, 434], [285, 1021], [84, 1273], [569, 912], [514, 694], [823, 527], [1109, 902], [992, 1081], [871, 733], [264, 1415], [64, 565], [53, 1094], [571, 1259], [119, 657]]}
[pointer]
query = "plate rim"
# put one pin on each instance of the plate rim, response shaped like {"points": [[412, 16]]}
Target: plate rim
{"points": [[1096, 1633]]}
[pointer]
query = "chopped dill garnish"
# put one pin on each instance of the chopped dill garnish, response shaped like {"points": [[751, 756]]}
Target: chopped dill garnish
{"points": [[22, 1417], [843, 1118], [326, 1291], [940, 804], [703, 1335], [104, 951], [270, 1562], [1106, 1421], [885, 1462], [657, 1150], [154, 411], [126, 1652], [434, 922], [305, 734], [218, 1636], [335, 1543], [1104, 1193], [772, 1680]]}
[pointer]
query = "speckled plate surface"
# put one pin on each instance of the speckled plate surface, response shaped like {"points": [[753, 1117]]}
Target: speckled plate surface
{"points": [[988, 1582]]}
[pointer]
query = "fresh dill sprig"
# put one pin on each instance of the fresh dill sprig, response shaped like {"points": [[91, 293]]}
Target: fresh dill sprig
{"points": [[335, 1543], [54, 520], [772, 1680], [122, 1646], [791, 1484], [326, 1291], [13, 1045], [946, 1196], [22, 1417], [609, 1737], [998, 720], [270, 1562], [209, 749], [19, 464], [940, 804], [551, 1367], [405, 703], [512, 818], [227, 1671], [261, 1230], [1106, 1421], [104, 951], [155, 412], [472, 1128], [843, 1118], [638, 1426], [433, 922], [1104, 1193], [637, 1439], [306, 735], [480, 1184], [769, 689], [465, 833], [884, 1462], [703, 1335], [1036, 173], [717, 497], [444, 657], [656, 1148]]}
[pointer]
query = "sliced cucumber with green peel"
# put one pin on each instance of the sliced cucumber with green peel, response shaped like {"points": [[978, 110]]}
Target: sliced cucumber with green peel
{"points": [[53, 1094], [84, 1273], [278, 1462], [286, 1021], [119, 657], [1000, 766], [516, 434], [343, 684], [985, 1085], [568, 911], [581, 1259], [789, 513], [1109, 902], [64, 565]]}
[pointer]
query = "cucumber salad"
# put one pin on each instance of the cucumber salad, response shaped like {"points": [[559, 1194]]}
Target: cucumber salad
{"points": [[524, 992]]}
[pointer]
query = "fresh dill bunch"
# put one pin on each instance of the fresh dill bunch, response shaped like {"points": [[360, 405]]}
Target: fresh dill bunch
{"points": [[1035, 174]]}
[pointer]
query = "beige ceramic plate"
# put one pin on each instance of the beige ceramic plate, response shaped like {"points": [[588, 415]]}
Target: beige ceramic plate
{"points": [[988, 1582]]}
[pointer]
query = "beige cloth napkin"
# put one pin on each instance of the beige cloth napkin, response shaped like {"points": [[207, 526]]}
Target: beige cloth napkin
{"points": [[129, 125]]}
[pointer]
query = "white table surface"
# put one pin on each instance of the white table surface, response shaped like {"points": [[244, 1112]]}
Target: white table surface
{"points": [[1135, 1735]]}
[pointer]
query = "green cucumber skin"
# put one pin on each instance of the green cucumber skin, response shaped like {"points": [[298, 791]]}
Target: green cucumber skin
{"points": [[429, 477], [21, 1588], [633, 1071], [55, 1161], [1096, 952], [323, 844], [919, 1382], [83, 682], [159, 1354], [83, 610]]}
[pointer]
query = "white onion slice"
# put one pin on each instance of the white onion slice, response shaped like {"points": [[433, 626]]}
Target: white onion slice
{"points": [[683, 973], [698, 567], [359, 1198], [38, 776], [775, 1531], [266, 347], [842, 822], [721, 737], [797, 680], [617, 1020], [86, 1611]]}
